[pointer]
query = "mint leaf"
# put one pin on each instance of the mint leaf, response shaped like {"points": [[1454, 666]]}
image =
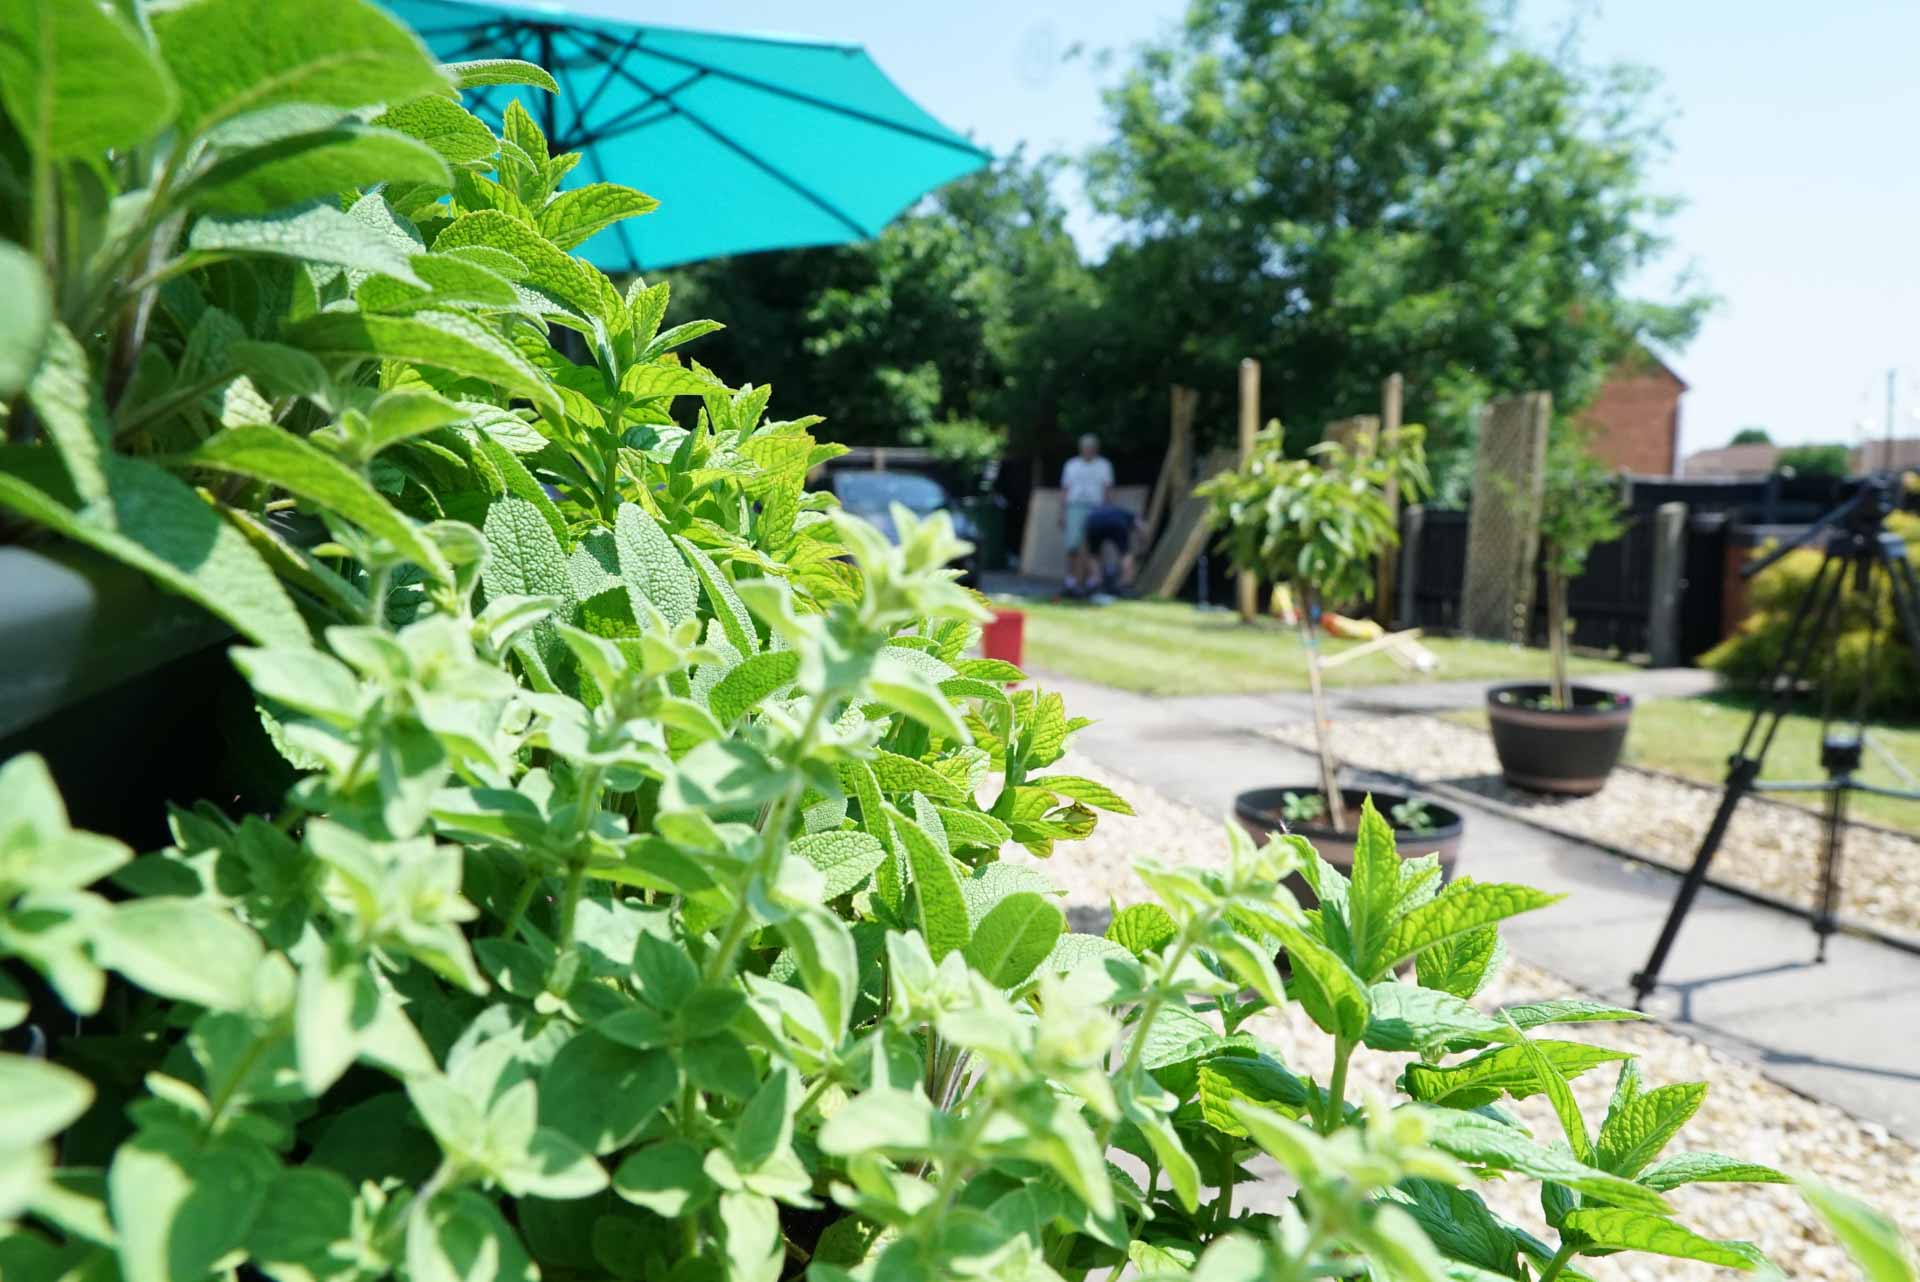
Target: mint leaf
{"points": [[1458, 909], [651, 567], [26, 324], [1706, 1168], [454, 133], [313, 233], [234, 56], [576, 215], [1507, 1070], [846, 859], [307, 163], [1014, 938], [499, 71], [77, 79], [1618, 1229], [1141, 928], [443, 340], [1635, 1132], [941, 906]]}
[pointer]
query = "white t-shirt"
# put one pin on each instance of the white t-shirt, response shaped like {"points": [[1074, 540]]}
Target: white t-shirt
{"points": [[1086, 480]]}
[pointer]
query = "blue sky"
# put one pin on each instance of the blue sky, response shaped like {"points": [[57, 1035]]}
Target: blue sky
{"points": [[1791, 144]]}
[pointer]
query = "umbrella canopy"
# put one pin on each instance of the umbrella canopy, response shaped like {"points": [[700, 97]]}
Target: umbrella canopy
{"points": [[748, 142]]}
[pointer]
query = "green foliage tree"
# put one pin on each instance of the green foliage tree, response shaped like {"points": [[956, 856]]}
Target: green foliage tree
{"points": [[1815, 460], [962, 310], [1346, 188], [1317, 524], [1580, 507], [635, 912], [1751, 436]]}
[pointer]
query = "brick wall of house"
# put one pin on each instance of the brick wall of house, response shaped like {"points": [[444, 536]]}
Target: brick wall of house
{"points": [[1635, 420]]}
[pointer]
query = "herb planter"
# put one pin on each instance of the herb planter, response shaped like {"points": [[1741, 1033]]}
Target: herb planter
{"points": [[123, 687], [1259, 812], [1567, 751]]}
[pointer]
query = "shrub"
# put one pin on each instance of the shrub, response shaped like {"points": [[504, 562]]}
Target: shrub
{"points": [[632, 915], [1869, 652]]}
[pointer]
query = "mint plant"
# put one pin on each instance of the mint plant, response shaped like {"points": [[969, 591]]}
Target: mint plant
{"points": [[640, 907]]}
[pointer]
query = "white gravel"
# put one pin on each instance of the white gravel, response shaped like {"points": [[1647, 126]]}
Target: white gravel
{"points": [[1745, 1114], [1769, 847]]}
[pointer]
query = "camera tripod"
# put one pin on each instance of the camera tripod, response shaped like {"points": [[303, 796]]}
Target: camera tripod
{"points": [[1860, 552]]}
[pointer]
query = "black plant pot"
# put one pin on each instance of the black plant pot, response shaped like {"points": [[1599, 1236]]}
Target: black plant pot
{"points": [[1259, 812], [1569, 751], [127, 691]]}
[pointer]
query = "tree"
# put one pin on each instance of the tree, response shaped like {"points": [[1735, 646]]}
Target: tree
{"points": [[1815, 460], [1751, 436], [956, 311], [1345, 188], [1580, 507], [1316, 525]]}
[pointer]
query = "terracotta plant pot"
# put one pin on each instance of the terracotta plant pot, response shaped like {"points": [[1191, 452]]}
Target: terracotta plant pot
{"points": [[1259, 812], [1568, 751]]}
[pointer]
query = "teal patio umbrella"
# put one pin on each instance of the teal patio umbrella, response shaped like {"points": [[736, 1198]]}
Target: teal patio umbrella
{"points": [[748, 142]]}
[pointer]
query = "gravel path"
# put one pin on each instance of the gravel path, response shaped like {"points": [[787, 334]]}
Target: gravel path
{"points": [[1770, 847], [1745, 1114]]}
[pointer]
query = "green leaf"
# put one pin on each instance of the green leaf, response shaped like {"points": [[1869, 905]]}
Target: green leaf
{"points": [[1014, 938], [69, 405], [525, 558], [1074, 788], [1226, 1079], [846, 859], [1707, 1168], [462, 1237], [829, 965], [183, 949], [721, 774], [1549, 1078], [1409, 1018], [573, 216], [1636, 1130], [78, 80], [38, 1100], [726, 604], [1458, 909], [453, 132], [1567, 1010], [570, 282], [900, 685], [653, 568], [601, 1094], [753, 1243], [747, 683], [1506, 1070], [499, 71], [1324, 984], [163, 529], [1474, 1138], [941, 905], [277, 457], [666, 1178], [973, 828], [25, 326], [1373, 889], [234, 56], [1620, 1229], [1142, 928], [315, 233], [443, 340], [1464, 964], [897, 774], [1873, 1240], [311, 163], [182, 1201]]}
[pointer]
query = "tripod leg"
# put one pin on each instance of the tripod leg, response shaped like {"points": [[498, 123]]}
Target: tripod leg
{"points": [[1739, 779], [1823, 920]]}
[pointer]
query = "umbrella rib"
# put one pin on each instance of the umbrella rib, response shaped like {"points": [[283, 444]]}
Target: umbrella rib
{"points": [[811, 100], [787, 180], [630, 119]]}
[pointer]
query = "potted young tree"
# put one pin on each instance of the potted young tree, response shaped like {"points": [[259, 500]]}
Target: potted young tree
{"points": [[1559, 737], [1316, 525]]}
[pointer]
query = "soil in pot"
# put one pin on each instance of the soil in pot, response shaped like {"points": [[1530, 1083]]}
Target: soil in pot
{"points": [[1568, 751], [1263, 811]]}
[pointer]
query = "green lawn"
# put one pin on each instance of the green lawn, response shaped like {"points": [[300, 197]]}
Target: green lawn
{"points": [[1694, 737], [1166, 647]]}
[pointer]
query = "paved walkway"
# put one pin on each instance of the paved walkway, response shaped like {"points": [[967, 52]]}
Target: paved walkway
{"points": [[1740, 977]]}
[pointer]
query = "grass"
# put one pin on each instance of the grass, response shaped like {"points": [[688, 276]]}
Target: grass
{"points": [[1167, 647], [1694, 737]]}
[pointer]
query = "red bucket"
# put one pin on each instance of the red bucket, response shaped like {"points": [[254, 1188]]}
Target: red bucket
{"points": [[1002, 637]]}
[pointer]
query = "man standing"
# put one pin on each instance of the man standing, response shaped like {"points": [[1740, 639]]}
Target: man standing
{"points": [[1086, 482]]}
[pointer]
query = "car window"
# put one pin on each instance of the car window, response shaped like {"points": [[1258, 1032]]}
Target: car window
{"points": [[871, 492]]}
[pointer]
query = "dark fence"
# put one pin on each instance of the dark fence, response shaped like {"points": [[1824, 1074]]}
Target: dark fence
{"points": [[1611, 604]]}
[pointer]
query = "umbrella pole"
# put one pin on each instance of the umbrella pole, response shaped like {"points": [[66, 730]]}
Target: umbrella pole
{"points": [[549, 107]]}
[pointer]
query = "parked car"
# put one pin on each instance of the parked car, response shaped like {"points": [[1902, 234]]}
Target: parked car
{"points": [[869, 482]]}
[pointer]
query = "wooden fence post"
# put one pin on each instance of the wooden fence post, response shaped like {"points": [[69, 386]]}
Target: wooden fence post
{"points": [[1669, 564], [1413, 524], [1248, 586], [1383, 595], [1503, 533]]}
